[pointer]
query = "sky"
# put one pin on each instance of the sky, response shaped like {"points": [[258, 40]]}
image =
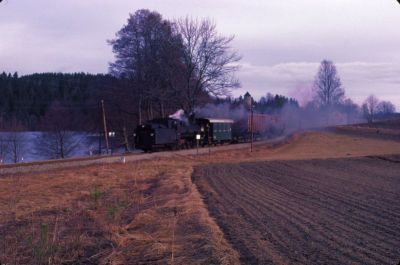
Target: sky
{"points": [[281, 42]]}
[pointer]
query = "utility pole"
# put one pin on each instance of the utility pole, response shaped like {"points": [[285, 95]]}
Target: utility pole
{"points": [[209, 139], [249, 102], [100, 130], [104, 125], [251, 125], [197, 143]]}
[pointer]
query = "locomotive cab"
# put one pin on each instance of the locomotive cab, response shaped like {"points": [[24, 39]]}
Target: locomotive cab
{"points": [[163, 133], [156, 133]]}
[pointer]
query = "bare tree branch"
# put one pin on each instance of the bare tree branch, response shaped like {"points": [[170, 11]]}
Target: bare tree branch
{"points": [[210, 63]]}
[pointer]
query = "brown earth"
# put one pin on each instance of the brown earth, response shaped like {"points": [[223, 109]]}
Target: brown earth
{"points": [[384, 130], [332, 211], [147, 211]]}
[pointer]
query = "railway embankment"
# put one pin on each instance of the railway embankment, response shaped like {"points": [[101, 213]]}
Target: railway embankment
{"points": [[47, 165]]}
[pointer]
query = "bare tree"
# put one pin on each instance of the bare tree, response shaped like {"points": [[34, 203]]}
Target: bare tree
{"points": [[58, 138], [210, 63], [4, 147], [16, 141], [369, 108], [386, 108], [327, 85]]}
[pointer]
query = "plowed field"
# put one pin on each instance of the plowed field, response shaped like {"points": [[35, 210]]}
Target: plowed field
{"points": [[332, 211]]}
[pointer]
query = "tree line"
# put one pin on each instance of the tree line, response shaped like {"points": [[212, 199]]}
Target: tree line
{"points": [[26, 99], [329, 95]]}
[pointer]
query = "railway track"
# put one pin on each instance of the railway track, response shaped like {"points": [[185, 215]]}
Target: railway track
{"points": [[122, 158]]}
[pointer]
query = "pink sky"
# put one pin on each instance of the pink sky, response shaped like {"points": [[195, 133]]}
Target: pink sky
{"points": [[282, 42]]}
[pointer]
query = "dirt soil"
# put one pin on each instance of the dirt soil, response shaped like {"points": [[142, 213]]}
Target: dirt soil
{"points": [[144, 211], [384, 130], [332, 211]]}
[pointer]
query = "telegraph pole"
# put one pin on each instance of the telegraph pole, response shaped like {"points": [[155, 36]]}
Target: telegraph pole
{"points": [[209, 139], [104, 125], [197, 143], [251, 125]]}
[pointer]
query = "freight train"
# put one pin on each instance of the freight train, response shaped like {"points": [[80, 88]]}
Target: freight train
{"points": [[171, 133]]}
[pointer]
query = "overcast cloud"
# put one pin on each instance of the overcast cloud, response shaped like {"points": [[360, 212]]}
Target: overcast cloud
{"points": [[281, 43]]}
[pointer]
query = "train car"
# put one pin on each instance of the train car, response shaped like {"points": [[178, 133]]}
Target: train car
{"points": [[240, 132], [264, 125], [215, 131]]}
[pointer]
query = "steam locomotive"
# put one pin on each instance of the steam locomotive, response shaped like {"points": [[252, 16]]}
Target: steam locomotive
{"points": [[170, 133]]}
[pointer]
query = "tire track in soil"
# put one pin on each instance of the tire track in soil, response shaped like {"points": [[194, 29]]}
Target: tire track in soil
{"points": [[337, 196], [292, 211], [251, 215], [343, 227], [317, 211], [332, 198], [288, 235]]}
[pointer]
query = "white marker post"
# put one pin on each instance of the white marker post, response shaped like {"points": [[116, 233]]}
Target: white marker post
{"points": [[197, 140]]}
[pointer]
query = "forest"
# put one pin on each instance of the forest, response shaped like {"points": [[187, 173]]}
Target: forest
{"points": [[25, 100], [30, 99]]}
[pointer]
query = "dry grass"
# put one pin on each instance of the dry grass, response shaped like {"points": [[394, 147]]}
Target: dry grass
{"points": [[144, 212], [309, 146]]}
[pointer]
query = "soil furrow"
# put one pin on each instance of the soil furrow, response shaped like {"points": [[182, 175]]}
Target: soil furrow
{"points": [[335, 211]]}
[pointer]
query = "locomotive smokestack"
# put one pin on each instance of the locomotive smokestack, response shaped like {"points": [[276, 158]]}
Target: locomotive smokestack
{"points": [[179, 115]]}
